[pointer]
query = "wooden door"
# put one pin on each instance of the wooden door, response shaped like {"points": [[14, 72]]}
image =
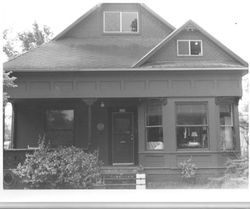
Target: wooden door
{"points": [[122, 138]]}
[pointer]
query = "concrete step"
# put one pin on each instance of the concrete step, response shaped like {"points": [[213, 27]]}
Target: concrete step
{"points": [[122, 177]]}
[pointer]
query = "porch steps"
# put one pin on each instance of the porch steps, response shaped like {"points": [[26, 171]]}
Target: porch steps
{"points": [[119, 177]]}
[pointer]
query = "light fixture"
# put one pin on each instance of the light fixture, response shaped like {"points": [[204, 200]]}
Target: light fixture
{"points": [[102, 104]]}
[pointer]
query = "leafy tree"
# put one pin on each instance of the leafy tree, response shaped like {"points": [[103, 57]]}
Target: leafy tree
{"points": [[34, 38], [8, 82], [23, 42]]}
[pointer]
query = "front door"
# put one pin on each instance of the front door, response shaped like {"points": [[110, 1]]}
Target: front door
{"points": [[122, 138]]}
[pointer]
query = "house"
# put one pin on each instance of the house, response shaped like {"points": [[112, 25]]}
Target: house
{"points": [[122, 80]]}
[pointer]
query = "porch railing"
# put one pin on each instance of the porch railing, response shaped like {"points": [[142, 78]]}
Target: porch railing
{"points": [[12, 157]]}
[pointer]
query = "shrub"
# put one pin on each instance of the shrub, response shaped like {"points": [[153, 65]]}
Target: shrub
{"points": [[235, 175], [188, 169], [60, 168]]}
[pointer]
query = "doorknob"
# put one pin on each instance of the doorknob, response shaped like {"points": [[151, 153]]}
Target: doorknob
{"points": [[132, 138]]}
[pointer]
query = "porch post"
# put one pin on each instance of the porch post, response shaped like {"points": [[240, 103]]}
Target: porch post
{"points": [[3, 124], [89, 102], [13, 125]]}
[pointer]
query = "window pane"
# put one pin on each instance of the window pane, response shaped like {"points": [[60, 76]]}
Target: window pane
{"points": [[60, 119], [154, 138], [195, 47], [192, 137], [129, 22], [183, 47], [112, 21], [191, 114], [226, 114], [226, 136], [154, 114]]}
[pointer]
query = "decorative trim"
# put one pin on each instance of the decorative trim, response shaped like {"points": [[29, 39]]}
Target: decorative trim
{"points": [[227, 100]]}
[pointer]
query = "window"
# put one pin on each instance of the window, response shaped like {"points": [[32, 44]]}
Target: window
{"points": [[226, 127], [60, 119], [189, 47], [191, 125], [154, 130], [60, 125], [120, 22]]}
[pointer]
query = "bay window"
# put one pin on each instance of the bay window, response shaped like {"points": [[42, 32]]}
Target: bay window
{"points": [[191, 125], [154, 129]]}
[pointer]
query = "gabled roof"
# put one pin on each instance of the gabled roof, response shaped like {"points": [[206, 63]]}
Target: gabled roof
{"points": [[60, 35], [87, 53], [188, 24], [76, 22], [73, 54]]}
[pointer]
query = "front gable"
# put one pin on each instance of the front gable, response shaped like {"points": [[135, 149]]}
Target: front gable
{"points": [[92, 24], [176, 51]]}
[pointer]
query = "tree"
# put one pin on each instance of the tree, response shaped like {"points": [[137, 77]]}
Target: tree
{"points": [[23, 42], [35, 38]]}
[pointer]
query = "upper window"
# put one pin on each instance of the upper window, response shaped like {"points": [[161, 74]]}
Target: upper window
{"points": [[189, 47], [120, 22], [226, 127], [154, 129], [191, 125]]}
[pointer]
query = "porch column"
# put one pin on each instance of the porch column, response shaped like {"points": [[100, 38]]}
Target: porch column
{"points": [[89, 102]]}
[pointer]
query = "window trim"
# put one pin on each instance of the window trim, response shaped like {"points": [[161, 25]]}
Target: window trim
{"points": [[189, 48], [120, 31], [153, 126], [205, 125]]}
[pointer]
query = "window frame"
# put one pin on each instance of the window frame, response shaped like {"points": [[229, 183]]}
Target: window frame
{"points": [[153, 126], [120, 31], [189, 48], [207, 124]]}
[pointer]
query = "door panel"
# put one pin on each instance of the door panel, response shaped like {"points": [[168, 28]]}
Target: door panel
{"points": [[122, 138]]}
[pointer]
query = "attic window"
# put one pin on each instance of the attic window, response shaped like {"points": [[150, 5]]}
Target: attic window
{"points": [[189, 47], [120, 22]]}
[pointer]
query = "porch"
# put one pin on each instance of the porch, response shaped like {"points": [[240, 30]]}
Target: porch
{"points": [[107, 125]]}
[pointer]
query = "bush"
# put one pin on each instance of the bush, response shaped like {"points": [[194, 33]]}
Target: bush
{"points": [[60, 168], [188, 169], [235, 176]]}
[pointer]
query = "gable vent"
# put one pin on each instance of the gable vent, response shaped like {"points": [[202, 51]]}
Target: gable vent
{"points": [[190, 27]]}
